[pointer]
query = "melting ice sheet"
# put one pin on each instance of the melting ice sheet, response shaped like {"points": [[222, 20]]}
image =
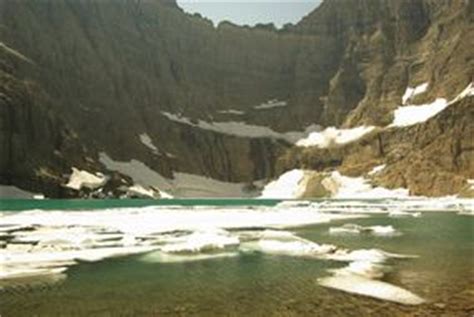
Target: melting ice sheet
{"points": [[46, 243]]}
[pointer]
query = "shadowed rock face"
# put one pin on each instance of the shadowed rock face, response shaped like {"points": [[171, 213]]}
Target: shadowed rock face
{"points": [[106, 70]]}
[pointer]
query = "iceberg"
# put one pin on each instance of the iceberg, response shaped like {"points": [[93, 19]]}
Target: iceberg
{"points": [[356, 229], [356, 284]]}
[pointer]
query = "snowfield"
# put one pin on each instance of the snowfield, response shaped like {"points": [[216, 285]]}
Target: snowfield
{"points": [[182, 185], [242, 129], [290, 185], [147, 141], [412, 92], [82, 179], [408, 115], [332, 136], [274, 103]]}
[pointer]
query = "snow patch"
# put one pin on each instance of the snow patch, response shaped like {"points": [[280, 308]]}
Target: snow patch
{"points": [[232, 111], [183, 184], [82, 179], [290, 185], [274, 103], [359, 188], [147, 141], [140, 191], [410, 115], [285, 187], [332, 136], [377, 169], [241, 129], [412, 92], [15, 53]]}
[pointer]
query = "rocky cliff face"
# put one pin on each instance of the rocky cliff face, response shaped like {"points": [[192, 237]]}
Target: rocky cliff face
{"points": [[85, 77]]}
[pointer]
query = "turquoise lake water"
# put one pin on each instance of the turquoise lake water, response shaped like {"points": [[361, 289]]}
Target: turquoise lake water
{"points": [[259, 284]]}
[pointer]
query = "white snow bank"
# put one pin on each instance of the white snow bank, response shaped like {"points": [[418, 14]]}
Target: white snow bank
{"points": [[410, 115], [471, 183], [358, 188], [138, 190], [388, 231], [287, 244], [285, 187], [183, 184], [468, 92], [403, 214], [290, 185], [232, 111], [82, 179], [356, 284], [377, 169], [332, 136], [274, 103], [412, 92], [370, 255], [147, 141], [407, 115], [241, 129]]}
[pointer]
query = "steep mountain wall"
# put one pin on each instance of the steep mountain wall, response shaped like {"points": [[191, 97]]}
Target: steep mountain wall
{"points": [[108, 69]]}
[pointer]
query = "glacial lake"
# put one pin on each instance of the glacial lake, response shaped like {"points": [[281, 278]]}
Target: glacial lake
{"points": [[245, 278]]}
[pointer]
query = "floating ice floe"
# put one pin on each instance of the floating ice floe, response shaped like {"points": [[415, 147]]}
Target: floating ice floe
{"points": [[352, 229], [368, 255], [403, 214], [332, 136], [274, 103], [358, 277], [201, 241], [290, 185], [356, 284], [162, 257], [82, 179], [278, 243], [45, 242], [147, 141]]}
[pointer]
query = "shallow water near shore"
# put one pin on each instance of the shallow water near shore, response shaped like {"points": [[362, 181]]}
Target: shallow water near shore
{"points": [[256, 284]]}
